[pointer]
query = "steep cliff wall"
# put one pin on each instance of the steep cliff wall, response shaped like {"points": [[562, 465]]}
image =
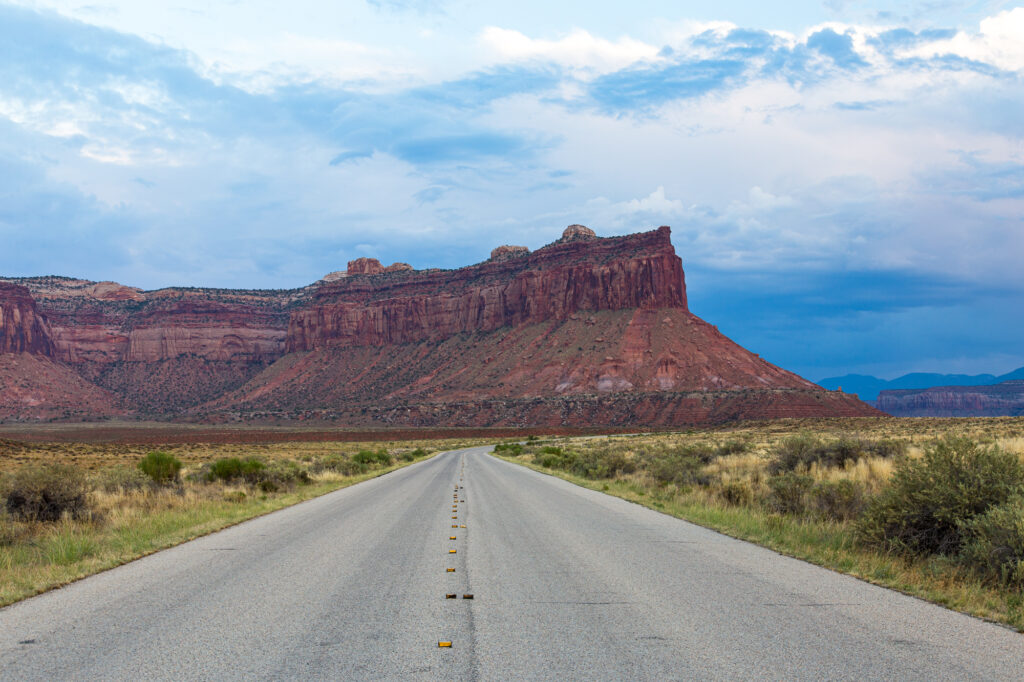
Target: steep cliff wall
{"points": [[164, 350], [22, 328], [572, 275]]}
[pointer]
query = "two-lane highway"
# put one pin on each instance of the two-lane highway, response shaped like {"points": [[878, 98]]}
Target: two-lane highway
{"points": [[566, 583]]}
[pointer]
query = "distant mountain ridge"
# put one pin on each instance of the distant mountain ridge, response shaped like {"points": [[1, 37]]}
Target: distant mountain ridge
{"points": [[868, 387], [1005, 399]]}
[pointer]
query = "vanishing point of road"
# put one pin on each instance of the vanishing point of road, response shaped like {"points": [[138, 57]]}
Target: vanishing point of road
{"points": [[565, 583]]}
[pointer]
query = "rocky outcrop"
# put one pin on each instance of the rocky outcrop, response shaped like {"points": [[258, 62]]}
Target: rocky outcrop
{"points": [[507, 251], [575, 233], [22, 328], [1005, 399], [364, 266], [552, 283]]}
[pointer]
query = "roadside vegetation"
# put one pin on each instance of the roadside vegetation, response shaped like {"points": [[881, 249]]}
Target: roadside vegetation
{"points": [[62, 519], [935, 512]]}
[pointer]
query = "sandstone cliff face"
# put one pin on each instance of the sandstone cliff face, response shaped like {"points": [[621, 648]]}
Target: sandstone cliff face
{"points": [[578, 274], [105, 322], [586, 331], [209, 330], [22, 329], [998, 400], [165, 350]]}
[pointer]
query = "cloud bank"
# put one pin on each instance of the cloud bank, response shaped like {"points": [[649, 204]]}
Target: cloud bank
{"points": [[845, 197]]}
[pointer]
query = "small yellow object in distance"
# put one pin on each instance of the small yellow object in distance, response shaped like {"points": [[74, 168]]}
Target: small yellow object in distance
{"points": [[463, 525], [450, 595], [445, 645], [467, 596], [450, 570], [451, 551], [451, 537], [455, 525]]}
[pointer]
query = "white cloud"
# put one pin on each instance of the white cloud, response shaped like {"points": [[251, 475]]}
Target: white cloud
{"points": [[999, 41], [656, 202], [577, 50]]}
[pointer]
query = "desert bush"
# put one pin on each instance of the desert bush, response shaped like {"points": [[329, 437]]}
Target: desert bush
{"points": [[841, 500], [737, 493], [803, 450], [337, 463], [678, 467], [598, 464], [412, 455], [162, 467], [372, 457], [234, 496], [281, 474], [510, 449], [46, 493], [994, 543], [122, 479], [732, 447], [788, 493], [929, 501], [234, 469], [11, 530]]}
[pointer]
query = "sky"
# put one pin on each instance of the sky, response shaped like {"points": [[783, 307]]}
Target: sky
{"points": [[844, 179]]}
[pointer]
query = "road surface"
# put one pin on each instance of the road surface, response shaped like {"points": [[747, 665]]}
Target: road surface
{"points": [[567, 583]]}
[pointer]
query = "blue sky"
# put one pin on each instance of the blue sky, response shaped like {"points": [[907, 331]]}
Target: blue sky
{"points": [[844, 179]]}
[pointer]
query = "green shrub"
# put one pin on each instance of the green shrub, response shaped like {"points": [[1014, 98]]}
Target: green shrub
{"points": [[732, 447], [737, 493], [550, 461], [413, 455], [597, 464], [841, 500], [372, 457], [677, 467], [929, 501], [803, 450], [162, 467], [122, 479], [511, 449], [281, 474], [994, 543], [337, 463], [233, 469], [46, 493], [788, 493]]}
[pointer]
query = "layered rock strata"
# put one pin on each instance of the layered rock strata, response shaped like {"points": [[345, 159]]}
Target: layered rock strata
{"points": [[22, 328], [1005, 399], [562, 279], [583, 332]]}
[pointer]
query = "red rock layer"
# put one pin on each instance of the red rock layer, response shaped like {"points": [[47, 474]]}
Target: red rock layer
{"points": [[553, 283], [22, 329], [612, 351], [998, 400]]}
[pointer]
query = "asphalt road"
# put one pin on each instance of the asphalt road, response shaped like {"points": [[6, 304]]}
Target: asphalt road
{"points": [[567, 584]]}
